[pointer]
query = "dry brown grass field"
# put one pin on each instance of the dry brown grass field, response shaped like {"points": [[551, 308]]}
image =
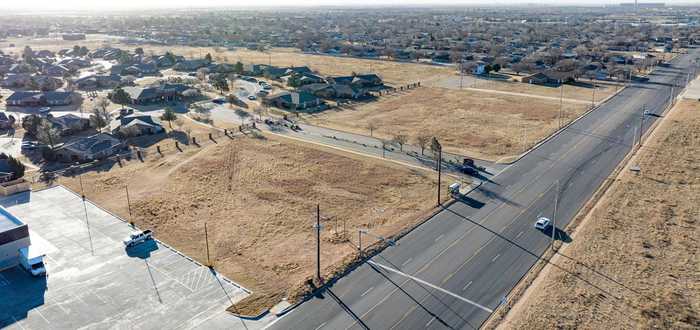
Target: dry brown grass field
{"points": [[639, 246], [488, 126], [258, 198]]}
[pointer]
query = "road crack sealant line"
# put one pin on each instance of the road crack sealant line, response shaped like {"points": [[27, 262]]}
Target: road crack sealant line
{"points": [[532, 274]]}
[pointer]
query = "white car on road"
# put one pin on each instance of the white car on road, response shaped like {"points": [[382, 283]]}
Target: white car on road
{"points": [[543, 223], [138, 237]]}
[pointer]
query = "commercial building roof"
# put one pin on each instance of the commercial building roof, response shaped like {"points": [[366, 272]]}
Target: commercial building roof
{"points": [[8, 221]]}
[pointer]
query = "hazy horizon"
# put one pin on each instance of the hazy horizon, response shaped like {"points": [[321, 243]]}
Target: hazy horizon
{"points": [[73, 5]]}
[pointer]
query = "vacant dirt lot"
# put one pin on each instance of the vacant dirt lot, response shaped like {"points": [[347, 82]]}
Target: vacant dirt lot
{"points": [[258, 199], [483, 125], [639, 246]]}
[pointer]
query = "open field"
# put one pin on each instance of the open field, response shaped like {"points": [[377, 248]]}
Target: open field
{"points": [[54, 43], [487, 126], [638, 246], [580, 91], [258, 198]]}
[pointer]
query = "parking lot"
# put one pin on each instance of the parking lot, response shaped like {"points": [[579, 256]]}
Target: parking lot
{"points": [[94, 282]]}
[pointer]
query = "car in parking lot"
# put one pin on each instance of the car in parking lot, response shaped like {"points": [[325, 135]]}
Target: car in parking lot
{"points": [[267, 87], [252, 97], [138, 238], [30, 145], [218, 101], [543, 223], [44, 110]]}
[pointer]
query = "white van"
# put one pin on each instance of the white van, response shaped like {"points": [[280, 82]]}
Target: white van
{"points": [[32, 260]]}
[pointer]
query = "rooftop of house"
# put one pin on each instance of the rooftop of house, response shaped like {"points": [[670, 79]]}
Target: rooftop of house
{"points": [[93, 144]]}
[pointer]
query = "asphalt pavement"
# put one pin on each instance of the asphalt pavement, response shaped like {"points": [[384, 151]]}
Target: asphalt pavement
{"points": [[478, 249]]}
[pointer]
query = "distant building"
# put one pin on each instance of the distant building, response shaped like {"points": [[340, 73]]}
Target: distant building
{"points": [[37, 99]]}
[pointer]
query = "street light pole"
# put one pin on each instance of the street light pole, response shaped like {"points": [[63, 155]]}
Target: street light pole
{"points": [[439, 175], [87, 222], [641, 125], [206, 240], [318, 243], [128, 203], [554, 216], [561, 102]]}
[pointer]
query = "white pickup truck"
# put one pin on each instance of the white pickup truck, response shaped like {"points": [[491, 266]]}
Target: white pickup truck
{"points": [[456, 190], [138, 237], [32, 260]]}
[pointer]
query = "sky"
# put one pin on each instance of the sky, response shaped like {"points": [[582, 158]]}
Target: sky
{"points": [[44, 5]]}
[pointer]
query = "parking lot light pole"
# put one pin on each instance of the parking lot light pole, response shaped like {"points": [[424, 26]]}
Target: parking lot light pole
{"points": [[206, 240], [87, 222], [318, 243], [554, 216], [128, 203]]}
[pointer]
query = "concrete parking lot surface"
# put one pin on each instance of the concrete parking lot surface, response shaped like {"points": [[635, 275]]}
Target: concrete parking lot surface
{"points": [[94, 282]]}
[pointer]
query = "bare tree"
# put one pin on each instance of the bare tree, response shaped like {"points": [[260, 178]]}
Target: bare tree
{"points": [[422, 141], [46, 133], [258, 110], [100, 117], [400, 139]]}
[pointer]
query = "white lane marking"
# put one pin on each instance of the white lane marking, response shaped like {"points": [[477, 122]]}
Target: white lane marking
{"points": [[366, 292], [320, 326], [432, 286], [496, 257], [520, 234], [429, 322], [466, 286], [439, 237], [407, 261]]}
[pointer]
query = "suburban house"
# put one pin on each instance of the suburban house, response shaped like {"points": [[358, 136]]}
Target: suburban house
{"points": [[360, 80], [293, 100], [85, 149], [15, 80], [137, 69], [55, 70], [191, 65], [36, 99], [330, 91], [254, 69], [69, 124], [273, 72], [303, 78], [165, 92], [135, 125], [98, 82], [549, 78]]}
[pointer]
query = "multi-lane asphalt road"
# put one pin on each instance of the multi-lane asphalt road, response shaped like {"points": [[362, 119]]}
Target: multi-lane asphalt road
{"points": [[477, 250]]}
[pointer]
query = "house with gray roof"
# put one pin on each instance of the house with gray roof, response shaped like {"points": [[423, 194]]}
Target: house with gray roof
{"points": [[293, 100], [135, 125], [37, 99], [85, 149]]}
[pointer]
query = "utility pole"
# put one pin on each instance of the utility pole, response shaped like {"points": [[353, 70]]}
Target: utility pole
{"points": [[87, 222], [206, 240], [128, 203], [461, 73], [439, 175], [641, 124], [561, 102], [359, 242], [318, 243], [554, 216], [593, 101]]}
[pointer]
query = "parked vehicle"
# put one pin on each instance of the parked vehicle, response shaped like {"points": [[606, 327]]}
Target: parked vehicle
{"points": [[252, 97], [455, 190], [218, 101], [543, 223], [44, 110], [138, 238], [32, 260], [267, 87], [30, 145]]}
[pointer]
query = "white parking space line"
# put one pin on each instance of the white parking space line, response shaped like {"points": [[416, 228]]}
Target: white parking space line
{"points": [[439, 237], [42, 315], [366, 292], [430, 322], [496, 257], [520, 234], [407, 261], [17, 323], [320, 326]]}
